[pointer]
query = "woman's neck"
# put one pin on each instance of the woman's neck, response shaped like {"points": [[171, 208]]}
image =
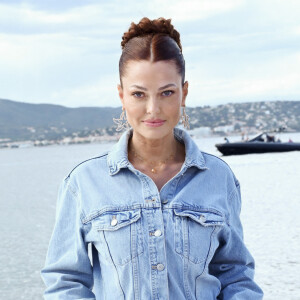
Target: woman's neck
{"points": [[154, 149], [156, 156]]}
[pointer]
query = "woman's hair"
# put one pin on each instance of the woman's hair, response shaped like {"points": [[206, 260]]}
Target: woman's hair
{"points": [[154, 41]]}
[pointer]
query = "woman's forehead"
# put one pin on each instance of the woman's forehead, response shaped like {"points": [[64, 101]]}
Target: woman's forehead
{"points": [[161, 72], [142, 64]]}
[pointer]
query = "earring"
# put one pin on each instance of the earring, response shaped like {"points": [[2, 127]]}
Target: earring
{"points": [[185, 119], [122, 121]]}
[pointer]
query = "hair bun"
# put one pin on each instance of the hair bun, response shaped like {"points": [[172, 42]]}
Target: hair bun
{"points": [[147, 27]]}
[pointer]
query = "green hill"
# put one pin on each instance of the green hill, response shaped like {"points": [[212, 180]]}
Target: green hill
{"points": [[24, 121]]}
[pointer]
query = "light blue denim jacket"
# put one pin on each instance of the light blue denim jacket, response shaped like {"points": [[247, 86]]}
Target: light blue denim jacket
{"points": [[183, 242]]}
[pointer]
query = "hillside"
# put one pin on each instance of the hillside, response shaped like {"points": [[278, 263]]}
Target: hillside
{"points": [[265, 115], [23, 121]]}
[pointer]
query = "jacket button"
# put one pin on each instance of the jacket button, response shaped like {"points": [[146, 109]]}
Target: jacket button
{"points": [[157, 232], [160, 267], [165, 201], [114, 222], [202, 218]]}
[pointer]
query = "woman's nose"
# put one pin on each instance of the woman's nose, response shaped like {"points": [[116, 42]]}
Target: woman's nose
{"points": [[153, 105]]}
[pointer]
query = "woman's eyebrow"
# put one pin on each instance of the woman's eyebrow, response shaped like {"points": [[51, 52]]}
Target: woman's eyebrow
{"points": [[139, 87], [166, 86], [161, 88]]}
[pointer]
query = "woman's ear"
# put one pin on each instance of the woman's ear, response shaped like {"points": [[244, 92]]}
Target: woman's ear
{"points": [[121, 94], [184, 93]]}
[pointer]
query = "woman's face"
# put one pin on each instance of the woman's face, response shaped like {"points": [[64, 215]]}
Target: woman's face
{"points": [[152, 95]]}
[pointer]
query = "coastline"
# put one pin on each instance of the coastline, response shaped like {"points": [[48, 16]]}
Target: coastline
{"points": [[200, 132]]}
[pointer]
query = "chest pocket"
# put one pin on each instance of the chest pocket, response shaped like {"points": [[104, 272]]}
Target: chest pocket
{"points": [[194, 232], [122, 233]]}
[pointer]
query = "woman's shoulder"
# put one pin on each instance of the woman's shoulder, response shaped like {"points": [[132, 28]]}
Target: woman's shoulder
{"points": [[217, 164], [89, 165], [203, 159], [212, 160]]}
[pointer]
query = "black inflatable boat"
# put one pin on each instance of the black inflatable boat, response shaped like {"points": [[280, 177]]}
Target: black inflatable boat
{"points": [[262, 143]]}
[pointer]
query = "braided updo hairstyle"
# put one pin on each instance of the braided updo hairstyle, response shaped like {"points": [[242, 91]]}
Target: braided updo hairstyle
{"points": [[154, 41]]}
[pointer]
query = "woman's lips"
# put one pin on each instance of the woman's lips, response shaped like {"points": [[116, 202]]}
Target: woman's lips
{"points": [[154, 123]]}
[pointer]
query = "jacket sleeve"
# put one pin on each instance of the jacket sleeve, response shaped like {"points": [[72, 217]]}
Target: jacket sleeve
{"points": [[232, 263], [67, 273]]}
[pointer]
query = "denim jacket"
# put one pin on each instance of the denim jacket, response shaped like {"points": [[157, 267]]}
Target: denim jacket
{"points": [[182, 242]]}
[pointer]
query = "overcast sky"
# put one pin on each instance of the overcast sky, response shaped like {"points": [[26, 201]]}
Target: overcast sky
{"points": [[67, 51]]}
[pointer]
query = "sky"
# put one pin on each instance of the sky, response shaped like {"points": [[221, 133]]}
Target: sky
{"points": [[67, 52]]}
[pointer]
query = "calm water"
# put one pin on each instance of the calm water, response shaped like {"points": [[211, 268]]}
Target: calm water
{"points": [[29, 180]]}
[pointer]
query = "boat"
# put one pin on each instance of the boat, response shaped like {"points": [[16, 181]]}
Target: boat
{"points": [[262, 143]]}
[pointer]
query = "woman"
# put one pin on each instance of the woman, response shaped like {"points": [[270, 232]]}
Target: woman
{"points": [[162, 217]]}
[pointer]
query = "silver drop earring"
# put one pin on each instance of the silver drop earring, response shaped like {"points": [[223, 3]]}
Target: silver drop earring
{"points": [[185, 119], [122, 121]]}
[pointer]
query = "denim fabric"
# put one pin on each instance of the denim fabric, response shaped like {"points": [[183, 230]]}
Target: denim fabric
{"points": [[183, 242]]}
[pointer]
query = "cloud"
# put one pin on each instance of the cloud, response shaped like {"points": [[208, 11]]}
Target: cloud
{"points": [[270, 79], [102, 92], [188, 10], [32, 17], [75, 20], [53, 5], [67, 52]]}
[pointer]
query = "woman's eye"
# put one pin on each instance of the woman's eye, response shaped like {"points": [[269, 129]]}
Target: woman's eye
{"points": [[168, 93], [137, 94]]}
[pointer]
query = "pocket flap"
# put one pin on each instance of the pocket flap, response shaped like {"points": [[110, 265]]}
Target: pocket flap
{"points": [[205, 218], [113, 220]]}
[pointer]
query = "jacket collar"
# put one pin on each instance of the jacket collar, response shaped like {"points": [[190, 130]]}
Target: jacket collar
{"points": [[118, 155]]}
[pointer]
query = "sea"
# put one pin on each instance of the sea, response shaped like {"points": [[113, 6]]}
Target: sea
{"points": [[29, 181]]}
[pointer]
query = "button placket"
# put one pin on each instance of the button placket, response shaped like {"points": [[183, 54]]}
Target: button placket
{"points": [[156, 242]]}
